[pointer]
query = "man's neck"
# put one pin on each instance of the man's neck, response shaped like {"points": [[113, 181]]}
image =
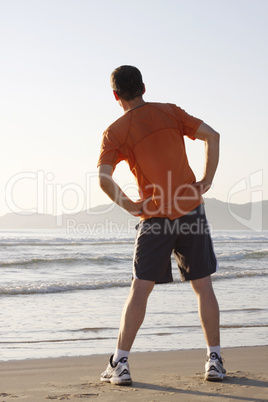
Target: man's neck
{"points": [[132, 104]]}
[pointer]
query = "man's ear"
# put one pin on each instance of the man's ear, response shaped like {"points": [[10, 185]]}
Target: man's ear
{"points": [[144, 89], [116, 96]]}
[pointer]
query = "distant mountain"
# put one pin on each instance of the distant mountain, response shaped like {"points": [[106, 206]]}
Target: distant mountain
{"points": [[221, 215], [224, 216]]}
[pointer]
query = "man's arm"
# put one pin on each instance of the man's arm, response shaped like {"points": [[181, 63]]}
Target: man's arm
{"points": [[212, 146], [109, 186]]}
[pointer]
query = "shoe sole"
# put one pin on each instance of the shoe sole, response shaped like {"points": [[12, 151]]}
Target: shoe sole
{"points": [[117, 382], [215, 377]]}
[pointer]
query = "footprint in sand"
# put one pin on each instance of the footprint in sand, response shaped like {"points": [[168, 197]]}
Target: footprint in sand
{"points": [[68, 396], [5, 395]]}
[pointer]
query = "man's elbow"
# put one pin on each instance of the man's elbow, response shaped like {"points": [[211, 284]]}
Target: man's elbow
{"points": [[215, 137], [105, 176], [218, 137], [104, 182]]}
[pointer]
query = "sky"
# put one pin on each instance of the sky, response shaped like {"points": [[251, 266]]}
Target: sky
{"points": [[56, 56]]}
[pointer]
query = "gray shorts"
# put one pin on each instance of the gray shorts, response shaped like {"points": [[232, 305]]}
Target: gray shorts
{"points": [[188, 237]]}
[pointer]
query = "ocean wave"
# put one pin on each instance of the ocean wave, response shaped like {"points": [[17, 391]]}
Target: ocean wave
{"points": [[93, 329], [94, 338], [221, 275], [240, 237], [63, 242], [235, 310], [244, 326], [235, 240], [96, 259], [113, 258], [59, 287], [239, 255], [73, 241]]}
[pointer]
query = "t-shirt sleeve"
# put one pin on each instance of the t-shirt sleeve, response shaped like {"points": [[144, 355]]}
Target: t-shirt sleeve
{"points": [[110, 153], [189, 124]]}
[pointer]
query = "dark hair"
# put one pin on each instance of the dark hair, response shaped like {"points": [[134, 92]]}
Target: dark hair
{"points": [[127, 82]]}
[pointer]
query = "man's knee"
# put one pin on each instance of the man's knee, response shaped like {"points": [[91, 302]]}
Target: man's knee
{"points": [[141, 287], [202, 284]]}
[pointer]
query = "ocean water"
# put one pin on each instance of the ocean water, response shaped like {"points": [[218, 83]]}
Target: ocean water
{"points": [[62, 294]]}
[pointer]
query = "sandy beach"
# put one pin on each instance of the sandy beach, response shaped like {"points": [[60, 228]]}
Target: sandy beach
{"points": [[157, 376]]}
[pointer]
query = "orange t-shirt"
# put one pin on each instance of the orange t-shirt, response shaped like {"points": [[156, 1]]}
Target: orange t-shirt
{"points": [[150, 139]]}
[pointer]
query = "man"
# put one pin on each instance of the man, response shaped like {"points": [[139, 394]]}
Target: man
{"points": [[149, 137]]}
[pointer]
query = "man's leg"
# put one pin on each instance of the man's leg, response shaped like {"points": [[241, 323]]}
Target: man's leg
{"points": [[208, 310], [134, 312], [210, 320]]}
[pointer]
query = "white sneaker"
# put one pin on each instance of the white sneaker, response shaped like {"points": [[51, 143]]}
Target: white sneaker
{"points": [[118, 374], [214, 370]]}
